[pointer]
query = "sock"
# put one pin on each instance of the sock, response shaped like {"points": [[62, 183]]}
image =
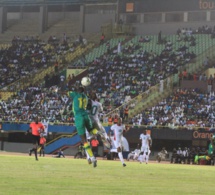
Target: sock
{"points": [[35, 152], [144, 158], [147, 158], [87, 155], [88, 149], [121, 157], [196, 159], [140, 158], [92, 159]]}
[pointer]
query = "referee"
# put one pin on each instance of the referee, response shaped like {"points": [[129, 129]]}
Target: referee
{"points": [[35, 128]]}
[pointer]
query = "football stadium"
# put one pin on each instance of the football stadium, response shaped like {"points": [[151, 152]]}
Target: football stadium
{"points": [[107, 97]]}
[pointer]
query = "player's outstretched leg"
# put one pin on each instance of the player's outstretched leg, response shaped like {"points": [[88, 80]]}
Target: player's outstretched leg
{"points": [[144, 157], [196, 160], [106, 142], [89, 161], [121, 158], [90, 158], [35, 153], [30, 151], [147, 157], [105, 139], [94, 161]]}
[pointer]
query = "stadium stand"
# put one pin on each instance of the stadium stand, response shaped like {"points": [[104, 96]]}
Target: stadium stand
{"points": [[114, 75], [184, 109], [141, 66], [29, 55]]}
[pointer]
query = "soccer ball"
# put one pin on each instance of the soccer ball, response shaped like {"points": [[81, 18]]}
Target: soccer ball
{"points": [[85, 81]]}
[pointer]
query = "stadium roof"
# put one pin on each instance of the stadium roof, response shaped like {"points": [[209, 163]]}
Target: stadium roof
{"points": [[50, 2]]}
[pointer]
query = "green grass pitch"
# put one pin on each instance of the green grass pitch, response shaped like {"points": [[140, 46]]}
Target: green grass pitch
{"points": [[25, 176]]}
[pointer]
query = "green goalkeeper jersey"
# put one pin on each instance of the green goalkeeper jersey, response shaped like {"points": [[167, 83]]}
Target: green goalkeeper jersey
{"points": [[79, 103]]}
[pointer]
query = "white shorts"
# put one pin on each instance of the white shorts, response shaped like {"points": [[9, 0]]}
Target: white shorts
{"points": [[117, 144], [145, 149]]}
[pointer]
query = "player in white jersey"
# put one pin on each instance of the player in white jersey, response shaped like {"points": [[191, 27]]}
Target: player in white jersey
{"points": [[134, 154], [94, 108], [145, 147], [117, 132]]}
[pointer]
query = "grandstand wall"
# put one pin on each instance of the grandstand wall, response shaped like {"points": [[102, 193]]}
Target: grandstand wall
{"points": [[167, 28], [144, 16]]}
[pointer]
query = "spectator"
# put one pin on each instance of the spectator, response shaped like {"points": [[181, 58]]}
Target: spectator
{"points": [[81, 152], [62, 82], [126, 111], [110, 121], [174, 156], [160, 41], [81, 40], [59, 154], [185, 155], [56, 66], [179, 157], [102, 39], [141, 40], [210, 84], [119, 48]]}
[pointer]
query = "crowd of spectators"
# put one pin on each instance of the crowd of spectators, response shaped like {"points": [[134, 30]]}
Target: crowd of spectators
{"points": [[205, 29], [186, 155], [48, 103], [26, 56], [136, 70], [116, 78], [184, 109]]}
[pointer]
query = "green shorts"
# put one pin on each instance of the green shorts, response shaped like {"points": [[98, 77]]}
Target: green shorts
{"points": [[83, 122]]}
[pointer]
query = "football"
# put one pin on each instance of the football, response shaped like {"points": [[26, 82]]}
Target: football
{"points": [[85, 81]]}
